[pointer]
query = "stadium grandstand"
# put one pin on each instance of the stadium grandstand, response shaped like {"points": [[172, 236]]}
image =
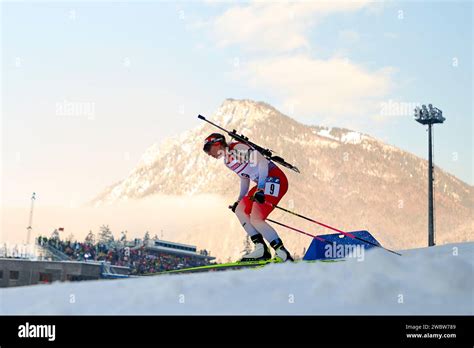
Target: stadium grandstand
{"points": [[114, 259]]}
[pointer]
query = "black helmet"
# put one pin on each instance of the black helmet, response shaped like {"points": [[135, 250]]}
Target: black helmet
{"points": [[214, 138]]}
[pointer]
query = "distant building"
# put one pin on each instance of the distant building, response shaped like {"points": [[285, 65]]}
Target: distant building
{"points": [[20, 272], [157, 246]]}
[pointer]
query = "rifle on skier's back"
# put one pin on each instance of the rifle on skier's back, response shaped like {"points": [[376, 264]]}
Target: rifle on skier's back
{"points": [[265, 152]]}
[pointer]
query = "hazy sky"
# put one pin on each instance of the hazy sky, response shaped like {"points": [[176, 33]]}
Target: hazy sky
{"points": [[87, 87]]}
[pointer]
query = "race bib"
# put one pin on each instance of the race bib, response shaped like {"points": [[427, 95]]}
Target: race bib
{"points": [[272, 186]]}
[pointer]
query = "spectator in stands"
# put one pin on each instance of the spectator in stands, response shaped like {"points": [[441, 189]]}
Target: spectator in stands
{"points": [[139, 260]]}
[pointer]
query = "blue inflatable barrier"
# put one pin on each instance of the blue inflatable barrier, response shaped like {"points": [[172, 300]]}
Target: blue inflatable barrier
{"points": [[340, 246]]}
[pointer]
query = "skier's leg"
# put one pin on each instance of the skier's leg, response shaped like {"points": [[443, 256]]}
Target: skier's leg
{"points": [[256, 218], [261, 211], [244, 217], [258, 222], [261, 251]]}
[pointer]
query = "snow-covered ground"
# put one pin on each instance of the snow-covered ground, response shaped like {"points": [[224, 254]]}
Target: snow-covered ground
{"points": [[436, 280]]}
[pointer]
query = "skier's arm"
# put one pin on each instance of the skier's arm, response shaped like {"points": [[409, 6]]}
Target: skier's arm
{"points": [[262, 164], [244, 187]]}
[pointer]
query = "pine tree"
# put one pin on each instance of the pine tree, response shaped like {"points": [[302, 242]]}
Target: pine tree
{"points": [[90, 239], [105, 235], [123, 237]]}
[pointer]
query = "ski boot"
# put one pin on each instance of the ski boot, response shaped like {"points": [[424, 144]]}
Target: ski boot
{"points": [[261, 251], [281, 254]]}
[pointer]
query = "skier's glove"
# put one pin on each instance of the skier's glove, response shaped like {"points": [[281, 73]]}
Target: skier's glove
{"points": [[234, 206], [259, 196]]}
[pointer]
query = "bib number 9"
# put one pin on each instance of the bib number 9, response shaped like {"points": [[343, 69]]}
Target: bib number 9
{"points": [[272, 187]]}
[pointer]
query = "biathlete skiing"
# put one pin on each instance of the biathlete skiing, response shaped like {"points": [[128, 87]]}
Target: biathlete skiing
{"points": [[253, 207]]}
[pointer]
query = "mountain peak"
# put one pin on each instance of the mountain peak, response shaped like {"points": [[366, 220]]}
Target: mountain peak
{"points": [[245, 111]]}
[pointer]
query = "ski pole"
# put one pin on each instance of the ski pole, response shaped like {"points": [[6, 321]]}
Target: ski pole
{"points": [[295, 229], [334, 229]]}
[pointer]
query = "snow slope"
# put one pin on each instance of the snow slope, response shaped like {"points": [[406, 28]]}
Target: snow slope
{"points": [[427, 281]]}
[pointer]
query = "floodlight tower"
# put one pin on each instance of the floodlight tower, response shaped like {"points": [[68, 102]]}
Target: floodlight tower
{"points": [[30, 223], [429, 116]]}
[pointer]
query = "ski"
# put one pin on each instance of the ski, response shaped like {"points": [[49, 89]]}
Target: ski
{"points": [[222, 266], [234, 266]]}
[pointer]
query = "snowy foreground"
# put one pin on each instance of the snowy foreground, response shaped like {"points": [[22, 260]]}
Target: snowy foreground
{"points": [[422, 281]]}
